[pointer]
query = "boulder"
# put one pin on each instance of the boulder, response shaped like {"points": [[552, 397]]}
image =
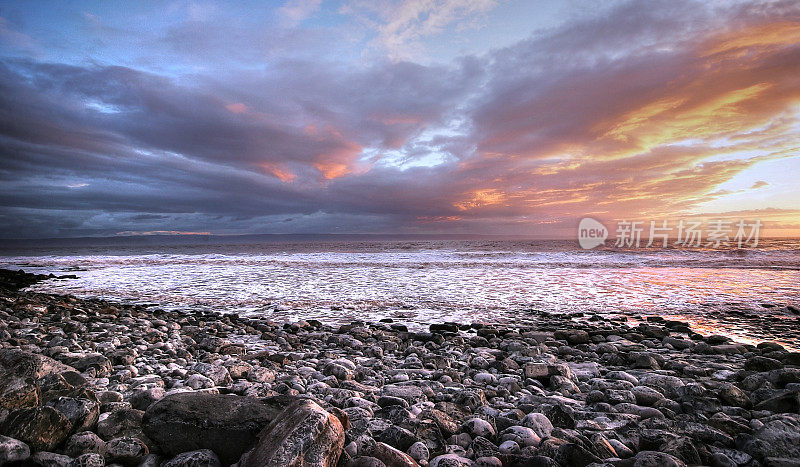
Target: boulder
{"points": [[224, 423], [789, 402], [304, 434], [42, 428], [19, 373], [779, 436]]}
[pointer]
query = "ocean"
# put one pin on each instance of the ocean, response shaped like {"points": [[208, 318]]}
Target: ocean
{"points": [[750, 294]]}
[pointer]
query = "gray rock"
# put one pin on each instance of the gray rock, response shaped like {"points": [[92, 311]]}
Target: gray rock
{"points": [[126, 450], [84, 442], [419, 451], [142, 398], [733, 396], [539, 423], [656, 459], [226, 424], [199, 458], [97, 364], [121, 422], [303, 434], [479, 427], [51, 459], [784, 403], [779, 436], [521, 435], [82, 413], [88, 460], [574, 455], [646, 396], [13, 450], [450, 460]]}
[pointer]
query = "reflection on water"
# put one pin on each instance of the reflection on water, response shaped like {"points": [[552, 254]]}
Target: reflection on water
{"points": [[726, 292]]}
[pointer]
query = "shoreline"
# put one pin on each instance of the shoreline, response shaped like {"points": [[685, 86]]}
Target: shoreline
{"points": [[93, 382]]}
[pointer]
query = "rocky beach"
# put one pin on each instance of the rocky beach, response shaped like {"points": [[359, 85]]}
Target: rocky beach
{"points": [[88, 382]]}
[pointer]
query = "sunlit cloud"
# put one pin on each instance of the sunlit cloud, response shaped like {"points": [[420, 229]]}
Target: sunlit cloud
{"points": [[335, 116]]}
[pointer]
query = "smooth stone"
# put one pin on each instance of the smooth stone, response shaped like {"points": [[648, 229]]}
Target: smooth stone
{"points": [[84, 442], [126, 450], [13, 450], [51, 459], [198, 458]]}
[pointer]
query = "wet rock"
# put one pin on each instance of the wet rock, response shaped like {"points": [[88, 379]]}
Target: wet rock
{"points": [[142, 398], [88, 460], [42, 428], [126, 450], [784, 403], [574, 455], [302, 434], [19, 372], [646, 396], [450, 460], [411, 394], [779, 436], [199, 458], [733, 396], [365, 461], [51, 459], [13, 450], [539, 423], [390, 456], [419, 451], [573, 336], [479, 427], [521, 435], [656, 459], [84, 442], [82, 413], [759, 363], [97, 364], [397, 437], [121, 422], [226, 424]]}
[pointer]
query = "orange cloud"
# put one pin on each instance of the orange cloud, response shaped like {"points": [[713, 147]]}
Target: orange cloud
{"points": [[237, 108], [338, 162], [748, 39], [278, 172]]}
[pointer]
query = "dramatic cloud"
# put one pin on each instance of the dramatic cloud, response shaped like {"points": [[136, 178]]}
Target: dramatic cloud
{"points": [[207, 122]]}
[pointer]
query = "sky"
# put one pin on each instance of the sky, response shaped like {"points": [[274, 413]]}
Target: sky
{"points": [[507, 117]]}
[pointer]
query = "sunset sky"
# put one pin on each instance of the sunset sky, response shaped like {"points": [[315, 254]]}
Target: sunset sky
{"points": [[509, 117]]}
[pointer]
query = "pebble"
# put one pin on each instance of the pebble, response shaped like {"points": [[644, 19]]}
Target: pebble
{"points": [[561, 390]]}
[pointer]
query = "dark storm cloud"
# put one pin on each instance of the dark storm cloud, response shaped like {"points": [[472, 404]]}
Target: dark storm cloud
{"points": [[589, 117]]}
